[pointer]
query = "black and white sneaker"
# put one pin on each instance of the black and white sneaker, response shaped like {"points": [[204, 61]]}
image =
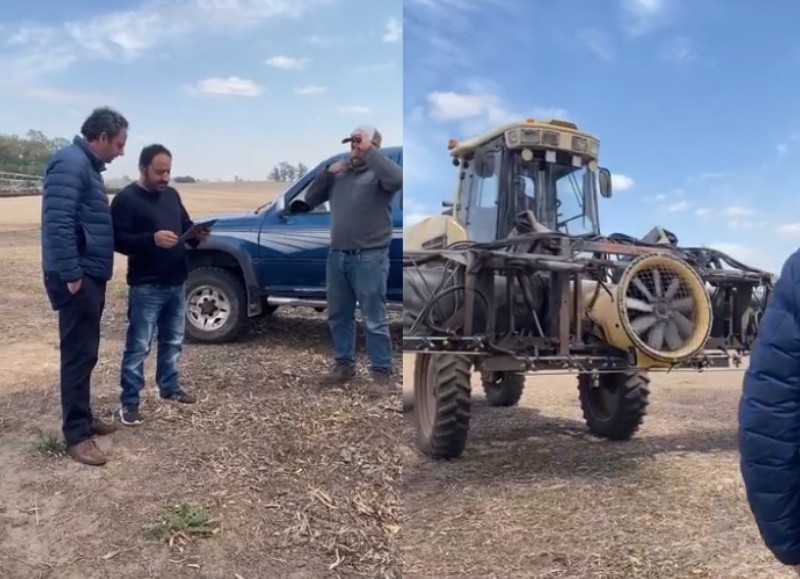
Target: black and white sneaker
{"points": [[129, 416]]}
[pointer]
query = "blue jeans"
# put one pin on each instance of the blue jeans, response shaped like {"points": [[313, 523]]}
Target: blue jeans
{"points": [[160, 310], [359, 277]]}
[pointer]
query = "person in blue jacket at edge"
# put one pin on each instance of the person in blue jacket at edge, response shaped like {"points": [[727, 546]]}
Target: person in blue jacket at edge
{"points": [[769, 421]]}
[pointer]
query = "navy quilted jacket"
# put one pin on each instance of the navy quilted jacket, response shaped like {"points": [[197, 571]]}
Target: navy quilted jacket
{"points": [[769, 420], [77, 233]]}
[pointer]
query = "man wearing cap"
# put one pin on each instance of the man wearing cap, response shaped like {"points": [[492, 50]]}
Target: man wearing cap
{"points": [[360, 189]]}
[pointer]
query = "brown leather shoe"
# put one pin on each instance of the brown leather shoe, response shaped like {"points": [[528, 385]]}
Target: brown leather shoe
{"points": [[101, 428], [87, 452]]}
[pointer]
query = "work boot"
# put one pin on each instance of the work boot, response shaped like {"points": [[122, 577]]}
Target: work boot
{"points": [[339, 374], [182, 397], [382, 383], [101, 428], [87, 452]]}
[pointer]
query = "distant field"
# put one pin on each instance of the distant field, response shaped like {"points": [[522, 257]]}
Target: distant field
{"points": [[200, 199]]}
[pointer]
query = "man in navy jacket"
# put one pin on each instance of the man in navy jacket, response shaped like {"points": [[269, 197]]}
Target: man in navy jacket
{"points": [[77, 262], [769, 421]]}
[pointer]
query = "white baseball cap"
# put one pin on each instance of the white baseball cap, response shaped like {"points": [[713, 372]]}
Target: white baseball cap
{"points": [[368, 130]]}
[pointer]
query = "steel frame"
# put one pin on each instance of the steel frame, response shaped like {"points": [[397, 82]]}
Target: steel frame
{"points": [[559, 345]]}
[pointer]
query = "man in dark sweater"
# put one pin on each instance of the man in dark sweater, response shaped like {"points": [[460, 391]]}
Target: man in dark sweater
{"points": [[149, 219], [77, 262], [360, 191]]}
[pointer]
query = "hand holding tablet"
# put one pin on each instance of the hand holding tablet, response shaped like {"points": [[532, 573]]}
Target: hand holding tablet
{"points": [[198, 230]]}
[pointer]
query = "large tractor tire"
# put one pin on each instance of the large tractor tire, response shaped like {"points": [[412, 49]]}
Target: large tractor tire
{"points": [[503, 388], [614, 405], [442, 404]]}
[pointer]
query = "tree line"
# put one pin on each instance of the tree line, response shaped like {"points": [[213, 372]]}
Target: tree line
{"points": [[28, 155], [285, 172]]}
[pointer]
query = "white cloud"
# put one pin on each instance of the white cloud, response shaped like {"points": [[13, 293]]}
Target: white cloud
{"points": [[449, 106], [380, 67], [790, 230], [354, 110], [394, 31], [745, 225], [746, 254], [736, 211], [230, 86], [320, 40], [642, 16], [445, 6], [414, 212], [621, 182], [678, 207], [702, 212], [35, 51], [310, 89], [288, 62], [410, 219], [478, 111]]}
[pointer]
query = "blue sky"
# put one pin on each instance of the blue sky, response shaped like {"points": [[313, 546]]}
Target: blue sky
{"points": [[231, 86], [695, 105]]}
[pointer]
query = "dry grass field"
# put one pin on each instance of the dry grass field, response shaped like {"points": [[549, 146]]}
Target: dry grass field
{"points": [[200, 198], [269, 475], [534, 497]]}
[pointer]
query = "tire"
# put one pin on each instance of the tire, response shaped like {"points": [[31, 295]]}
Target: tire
{"points": [[442, 404], [214, 283], [503, 388], [614, 405]]}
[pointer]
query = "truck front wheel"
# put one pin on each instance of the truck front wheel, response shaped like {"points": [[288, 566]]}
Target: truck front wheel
{"points": [[215, 305]]}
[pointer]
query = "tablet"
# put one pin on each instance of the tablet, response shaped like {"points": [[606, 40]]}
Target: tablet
{"points": [[197, 227]]}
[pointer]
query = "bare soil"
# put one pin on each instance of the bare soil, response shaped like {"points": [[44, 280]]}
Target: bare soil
{"points": [[535, 496], [299, 480]]}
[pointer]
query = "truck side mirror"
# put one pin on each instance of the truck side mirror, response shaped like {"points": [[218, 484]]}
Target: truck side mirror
{"points": [[280, 206], [604, 176]]}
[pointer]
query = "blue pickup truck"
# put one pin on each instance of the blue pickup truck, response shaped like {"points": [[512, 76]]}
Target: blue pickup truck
{"points": [[255, 262]]}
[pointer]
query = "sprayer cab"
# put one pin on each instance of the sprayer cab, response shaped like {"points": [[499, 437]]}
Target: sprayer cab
{"points": [[548, 168]]}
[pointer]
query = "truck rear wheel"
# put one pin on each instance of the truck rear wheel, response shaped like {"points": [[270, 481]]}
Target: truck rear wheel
{"points": [[614, 405], [503, 388], [215, 305], [442, 403]]}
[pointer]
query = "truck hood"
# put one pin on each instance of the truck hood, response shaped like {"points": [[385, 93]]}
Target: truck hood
{"points": [[233, 221]]}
